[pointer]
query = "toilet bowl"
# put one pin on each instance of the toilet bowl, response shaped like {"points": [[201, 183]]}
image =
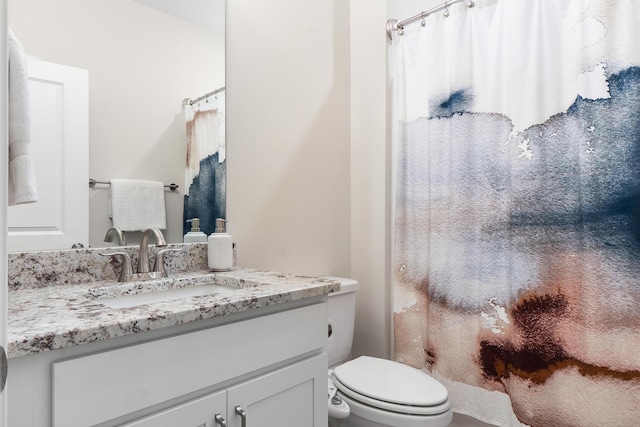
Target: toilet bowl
{"points": [[382, 392], [374, 392]]}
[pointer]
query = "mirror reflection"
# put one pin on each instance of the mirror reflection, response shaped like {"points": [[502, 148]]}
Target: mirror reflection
{"points": [[144, 60]]}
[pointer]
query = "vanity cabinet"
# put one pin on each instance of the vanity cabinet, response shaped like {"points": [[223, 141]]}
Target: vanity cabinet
{"points": [[270, 362], [281, 398], [200, 412]]}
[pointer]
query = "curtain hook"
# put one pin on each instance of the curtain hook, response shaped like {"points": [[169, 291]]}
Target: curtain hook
{"points": [[470, 4], [446, 11], [423, 23]]}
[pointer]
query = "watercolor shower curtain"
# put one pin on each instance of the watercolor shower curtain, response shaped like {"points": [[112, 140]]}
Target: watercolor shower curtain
{"points": [[205, 176], [516, 266]]}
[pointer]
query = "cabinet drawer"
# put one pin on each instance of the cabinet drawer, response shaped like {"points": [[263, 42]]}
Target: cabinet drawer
{"points": [[99, 387]]}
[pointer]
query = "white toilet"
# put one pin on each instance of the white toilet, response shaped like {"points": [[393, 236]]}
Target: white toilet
{"points": [[372, 392]]}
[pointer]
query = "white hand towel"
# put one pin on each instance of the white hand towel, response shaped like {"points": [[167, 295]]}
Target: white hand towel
{"points": [[22, 179], [136, 205]]}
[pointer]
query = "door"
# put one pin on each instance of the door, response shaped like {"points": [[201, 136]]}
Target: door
{"points": [[292, 396], [4, 183], [60, 155]]}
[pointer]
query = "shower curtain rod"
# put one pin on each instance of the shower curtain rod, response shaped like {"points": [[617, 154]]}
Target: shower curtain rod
{"points": [[189, 101], [395, 25]]}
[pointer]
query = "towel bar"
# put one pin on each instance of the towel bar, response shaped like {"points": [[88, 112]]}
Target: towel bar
{"points": [[93, 182]]}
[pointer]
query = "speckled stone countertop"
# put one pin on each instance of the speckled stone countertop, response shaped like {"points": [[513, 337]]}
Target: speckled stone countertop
{"points": [[71, 311]]}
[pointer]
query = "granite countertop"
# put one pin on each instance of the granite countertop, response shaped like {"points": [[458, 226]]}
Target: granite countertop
{"points": [[54, 317]]}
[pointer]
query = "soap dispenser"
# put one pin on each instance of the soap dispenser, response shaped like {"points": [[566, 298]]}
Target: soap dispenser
{"points": [[195, 235], [220, 250]]}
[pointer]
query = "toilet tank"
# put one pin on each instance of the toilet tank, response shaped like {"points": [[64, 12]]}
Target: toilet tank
{"points": [[342, 313]]}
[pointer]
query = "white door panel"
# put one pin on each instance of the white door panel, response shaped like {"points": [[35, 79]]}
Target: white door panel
{"points": [[60, 154], [4, 183]]}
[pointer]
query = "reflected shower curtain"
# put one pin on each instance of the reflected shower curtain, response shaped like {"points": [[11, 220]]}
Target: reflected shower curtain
{"points": [[516, 265], [205, 176]]}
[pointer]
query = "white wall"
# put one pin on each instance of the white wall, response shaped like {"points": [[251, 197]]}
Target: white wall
{"points": [[288, 134], [370, 169], [369, 177], [403, 9], [142, 63], [307, 173]]}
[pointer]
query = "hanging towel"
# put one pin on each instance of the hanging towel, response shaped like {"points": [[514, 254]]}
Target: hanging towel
{"points": [[22, 180], [136, 205]]}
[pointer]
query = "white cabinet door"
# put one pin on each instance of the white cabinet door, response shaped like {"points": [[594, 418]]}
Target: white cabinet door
{"points": [[195, 413], [292, 396], [60, 155]]}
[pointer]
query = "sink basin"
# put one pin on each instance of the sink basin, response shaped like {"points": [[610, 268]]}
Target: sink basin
{"points": [[156, 296]]}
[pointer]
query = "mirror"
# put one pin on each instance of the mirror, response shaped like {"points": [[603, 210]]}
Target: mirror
{"points": [[143, 58]]}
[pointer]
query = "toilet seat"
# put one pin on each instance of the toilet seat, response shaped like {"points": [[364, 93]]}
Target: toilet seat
{"points": [[391, 386]]}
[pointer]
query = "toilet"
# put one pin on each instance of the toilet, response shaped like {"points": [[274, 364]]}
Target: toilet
{"points": [[373, 392]]}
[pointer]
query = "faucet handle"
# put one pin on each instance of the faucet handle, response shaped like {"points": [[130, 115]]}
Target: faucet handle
{"points": [[127, 269], [158, 263]]}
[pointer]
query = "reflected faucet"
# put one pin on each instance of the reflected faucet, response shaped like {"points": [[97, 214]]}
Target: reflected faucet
{"points": [[115, 232], [143, 260]]}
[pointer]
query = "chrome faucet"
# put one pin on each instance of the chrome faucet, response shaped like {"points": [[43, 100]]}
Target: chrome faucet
{"points": [[143, 259], [143, 273], [115, 232]]}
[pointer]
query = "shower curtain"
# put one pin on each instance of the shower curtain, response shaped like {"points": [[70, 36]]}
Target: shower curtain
{"points": [[516, 236], [205, 176]]}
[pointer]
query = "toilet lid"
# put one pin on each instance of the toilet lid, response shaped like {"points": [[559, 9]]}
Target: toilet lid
{"points": [[389, 381]]}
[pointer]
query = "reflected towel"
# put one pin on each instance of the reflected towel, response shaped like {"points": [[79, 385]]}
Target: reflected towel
{"points": [[136, 205], [22, 179]]}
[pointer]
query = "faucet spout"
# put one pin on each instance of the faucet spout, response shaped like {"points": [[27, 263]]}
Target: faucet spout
{"points": [[115, 234], [143, 261]]}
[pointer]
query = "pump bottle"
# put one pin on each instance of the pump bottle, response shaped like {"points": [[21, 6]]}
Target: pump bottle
{"points": [[195, 235], [220, 250]]}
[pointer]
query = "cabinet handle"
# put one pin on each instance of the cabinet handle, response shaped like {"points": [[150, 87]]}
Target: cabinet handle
{"points": [[4, 368], [220, 421], [243, 415]]}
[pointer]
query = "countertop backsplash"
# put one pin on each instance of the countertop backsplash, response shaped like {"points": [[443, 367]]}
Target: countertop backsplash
{"points": [[32, 270]]}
